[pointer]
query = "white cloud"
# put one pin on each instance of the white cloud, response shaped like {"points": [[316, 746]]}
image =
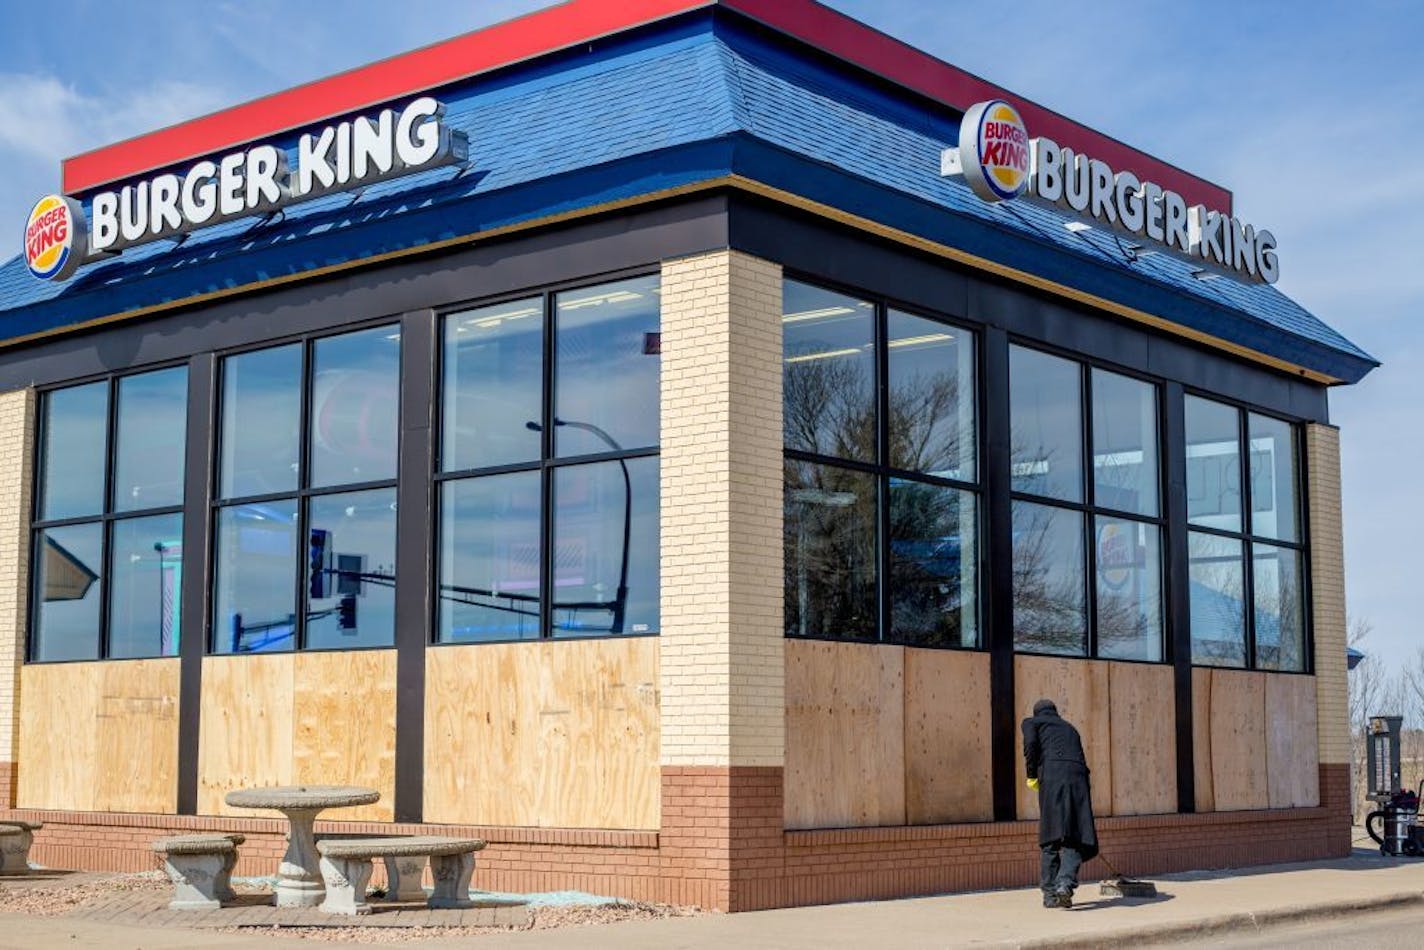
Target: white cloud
{"points": [[44, 120]]}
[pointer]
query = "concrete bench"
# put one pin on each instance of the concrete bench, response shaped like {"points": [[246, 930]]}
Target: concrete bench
{"points": [[346, 869], [200, 867], [15, 845]]}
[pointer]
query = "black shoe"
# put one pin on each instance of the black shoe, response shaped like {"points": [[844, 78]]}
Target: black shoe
{"points": [[1063, 897], [1050, 899]]}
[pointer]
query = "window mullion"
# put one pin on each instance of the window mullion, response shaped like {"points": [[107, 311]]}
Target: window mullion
{"points": [[882, 480], [1089, 525], [546, 475]]}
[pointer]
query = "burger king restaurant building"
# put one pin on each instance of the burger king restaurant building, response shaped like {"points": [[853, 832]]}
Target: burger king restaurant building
{"points": [[675, 441]]}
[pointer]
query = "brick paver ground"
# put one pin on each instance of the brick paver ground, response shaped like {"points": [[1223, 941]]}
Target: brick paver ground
{"points": [[150, 909]]}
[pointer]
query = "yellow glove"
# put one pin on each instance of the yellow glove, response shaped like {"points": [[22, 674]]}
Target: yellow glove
{"points": [[1032, 783]]}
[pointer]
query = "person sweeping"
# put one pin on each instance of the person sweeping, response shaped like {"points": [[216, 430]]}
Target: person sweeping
{"points": [[1058, 771]]}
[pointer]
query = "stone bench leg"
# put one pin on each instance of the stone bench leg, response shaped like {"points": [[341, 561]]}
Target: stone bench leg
{"points": [[195, 880], [15, 853], [346, 880], [222, 886], [452, 875], [403, 878]]}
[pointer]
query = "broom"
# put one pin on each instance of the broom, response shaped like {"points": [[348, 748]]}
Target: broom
{"points": [[1122, 886]]}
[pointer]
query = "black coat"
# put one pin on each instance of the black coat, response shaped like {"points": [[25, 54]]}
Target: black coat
{"points": [[1053, 754]]}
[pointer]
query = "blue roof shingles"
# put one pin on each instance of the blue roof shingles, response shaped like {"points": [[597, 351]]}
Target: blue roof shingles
{"points": [[652, 113]]}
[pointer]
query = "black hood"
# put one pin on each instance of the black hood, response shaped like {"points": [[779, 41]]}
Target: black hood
{"points": [[1045, 706]]}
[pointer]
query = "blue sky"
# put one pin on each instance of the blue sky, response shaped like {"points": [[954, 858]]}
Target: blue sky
{"points": [[1309, 111]]}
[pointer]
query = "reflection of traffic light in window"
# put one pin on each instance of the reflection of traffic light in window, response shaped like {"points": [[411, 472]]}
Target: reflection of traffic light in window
{"points": [[319, 553], [346, 613]]}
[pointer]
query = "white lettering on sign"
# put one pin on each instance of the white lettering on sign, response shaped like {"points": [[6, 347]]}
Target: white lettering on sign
{"points": [[257, 181], [1089, 188]]}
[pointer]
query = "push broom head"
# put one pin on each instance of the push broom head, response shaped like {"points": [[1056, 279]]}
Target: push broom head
{"points": [[1121, 886], [1127, 887]]}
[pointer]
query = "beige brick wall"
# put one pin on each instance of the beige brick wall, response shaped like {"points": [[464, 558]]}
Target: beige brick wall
{"points": [[1327, 583], [17, 427], [723, 655]]}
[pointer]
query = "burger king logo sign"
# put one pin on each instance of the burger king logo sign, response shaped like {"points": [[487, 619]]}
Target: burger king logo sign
{"points": [[994, 151], [999, 162], [55, 237]]}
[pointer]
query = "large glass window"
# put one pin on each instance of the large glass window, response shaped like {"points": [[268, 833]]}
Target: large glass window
{"points": [[307, 447], [1247, 567], [549, 509], [108, 538], [881, 480], [1070, 525]]}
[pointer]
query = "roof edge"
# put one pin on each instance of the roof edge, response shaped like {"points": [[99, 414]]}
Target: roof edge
{"points": [[568, 24]]}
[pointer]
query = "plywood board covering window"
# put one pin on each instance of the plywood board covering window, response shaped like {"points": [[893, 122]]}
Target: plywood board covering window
{"points": [[544, 734], [1255, 740], [317, 718], [99, 736]]}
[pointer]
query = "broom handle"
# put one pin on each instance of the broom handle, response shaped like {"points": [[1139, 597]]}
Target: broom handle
{"points": [[1104, 858]]}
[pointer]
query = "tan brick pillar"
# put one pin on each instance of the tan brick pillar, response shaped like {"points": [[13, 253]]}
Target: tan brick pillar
{"points": [[17, 439], [1327, 586], [722, 651]]}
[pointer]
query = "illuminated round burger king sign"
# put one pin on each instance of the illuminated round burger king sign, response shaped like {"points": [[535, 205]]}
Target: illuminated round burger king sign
{"points": [[55, 237], [995, 151]]}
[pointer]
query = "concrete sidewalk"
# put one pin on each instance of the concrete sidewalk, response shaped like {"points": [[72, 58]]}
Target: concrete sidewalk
{"points": [[1190, 905]]}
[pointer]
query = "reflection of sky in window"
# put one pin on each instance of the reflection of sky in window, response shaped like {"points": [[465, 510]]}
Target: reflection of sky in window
{"points": [[256, 573], [146, 566], [493, 385], [1213, 464], [152, 428], [355, 561], [606, 366], [489, 558], [261, 412], [1046, 426], [589, 519], [355, 407], [75, 451], [1125, 470], [1273, 479]]}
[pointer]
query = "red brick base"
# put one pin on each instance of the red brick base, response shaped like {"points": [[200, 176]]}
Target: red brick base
{"points": [[722, 846]]}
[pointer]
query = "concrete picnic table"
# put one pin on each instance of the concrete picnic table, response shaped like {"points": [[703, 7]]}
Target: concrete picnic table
{"points": [[299, 882]]}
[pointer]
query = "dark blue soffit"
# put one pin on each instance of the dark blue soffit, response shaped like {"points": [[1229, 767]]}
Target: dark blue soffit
{"points": [[685, 103]]}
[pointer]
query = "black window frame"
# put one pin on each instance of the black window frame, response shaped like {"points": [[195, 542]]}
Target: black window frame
{"points": [[301, 494], [1089, 511], [884, 473], [1248, 539], [547, 465], [105, 519]]}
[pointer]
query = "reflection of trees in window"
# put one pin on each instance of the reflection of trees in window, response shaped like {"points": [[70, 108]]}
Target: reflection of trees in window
{"points": [[933, 547], [830, 544], [924, 436], [1218, 601], [826, 406], [901, 456], [1048, 580]]}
